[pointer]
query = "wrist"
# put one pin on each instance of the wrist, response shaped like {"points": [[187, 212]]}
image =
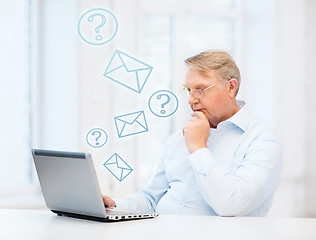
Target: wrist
{"points": [[194, 148]]}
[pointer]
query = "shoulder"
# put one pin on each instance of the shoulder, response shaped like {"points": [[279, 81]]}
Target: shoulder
{"points": [[253, 127], [175, 147], [175, 143], [175, 138], [262, 137], [261, 129]]}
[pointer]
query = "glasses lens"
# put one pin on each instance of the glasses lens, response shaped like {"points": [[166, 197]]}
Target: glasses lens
{"points": [[197, 93]]}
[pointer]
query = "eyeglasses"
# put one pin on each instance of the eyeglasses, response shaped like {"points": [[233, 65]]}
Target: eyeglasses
{"points": [[197, 93]]}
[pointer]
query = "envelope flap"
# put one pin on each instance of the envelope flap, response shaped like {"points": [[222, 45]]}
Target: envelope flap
{"points": [[141, 120], [125, 173], [129, 118], [132, 64], [121, 164], [142, 76], [111, 160], [115, 63]]}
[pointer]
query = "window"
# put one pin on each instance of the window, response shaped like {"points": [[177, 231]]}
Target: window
{"points": [[15, 125]]}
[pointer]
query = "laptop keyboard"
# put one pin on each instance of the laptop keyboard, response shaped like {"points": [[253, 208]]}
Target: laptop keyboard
{"points": [[116, 214]]}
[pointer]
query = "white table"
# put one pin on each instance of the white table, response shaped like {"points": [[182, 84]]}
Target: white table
{"points": [[42, 224]]}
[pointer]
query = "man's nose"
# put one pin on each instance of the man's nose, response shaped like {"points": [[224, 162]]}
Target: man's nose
{"points": [[192, 100]]}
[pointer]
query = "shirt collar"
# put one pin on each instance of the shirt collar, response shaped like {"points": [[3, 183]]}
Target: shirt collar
{"points": [[240, 118]]}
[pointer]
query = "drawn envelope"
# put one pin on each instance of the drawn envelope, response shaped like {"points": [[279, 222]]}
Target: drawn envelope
{"points": [[130, 124], [118, 167], [128, 71]]}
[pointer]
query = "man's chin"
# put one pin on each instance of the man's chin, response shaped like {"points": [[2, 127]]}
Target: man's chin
{"points": [[210, 122]]}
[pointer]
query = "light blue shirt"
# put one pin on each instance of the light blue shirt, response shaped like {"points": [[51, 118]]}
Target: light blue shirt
{"points": [[236, 175]]}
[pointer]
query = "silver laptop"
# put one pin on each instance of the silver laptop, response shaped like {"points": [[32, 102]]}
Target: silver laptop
{"points": [[70, 187]]}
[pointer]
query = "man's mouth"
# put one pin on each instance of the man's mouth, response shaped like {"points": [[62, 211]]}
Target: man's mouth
{"points": [[200, 110]]}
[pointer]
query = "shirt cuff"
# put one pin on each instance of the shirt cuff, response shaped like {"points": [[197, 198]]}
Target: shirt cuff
{"points": [[121, 203], [202, 160]]}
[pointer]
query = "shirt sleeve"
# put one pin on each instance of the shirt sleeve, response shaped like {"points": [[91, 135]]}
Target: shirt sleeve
{"points": [[238, 192], [147, 198]]}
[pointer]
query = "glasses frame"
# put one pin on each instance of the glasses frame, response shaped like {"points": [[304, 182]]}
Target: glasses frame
{"points": [[200, 92]]}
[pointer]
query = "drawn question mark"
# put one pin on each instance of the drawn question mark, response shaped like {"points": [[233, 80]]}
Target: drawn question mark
{"points": [[165, 103], [97, 138], [97, 28]]}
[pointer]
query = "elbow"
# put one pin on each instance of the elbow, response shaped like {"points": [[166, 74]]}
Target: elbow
{"points": [[225, 212], [233, 207], [239, 202]]}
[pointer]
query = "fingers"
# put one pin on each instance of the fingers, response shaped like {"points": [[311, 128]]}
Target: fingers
{"points": [[199, 115], [108, 202], [198, 118]]}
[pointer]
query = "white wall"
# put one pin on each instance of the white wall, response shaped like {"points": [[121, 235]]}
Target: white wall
{"points": [[258, 72], [295, 51], [309, 125]]}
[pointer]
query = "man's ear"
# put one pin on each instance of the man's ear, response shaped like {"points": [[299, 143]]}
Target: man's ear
{"points": [[232, 85]]}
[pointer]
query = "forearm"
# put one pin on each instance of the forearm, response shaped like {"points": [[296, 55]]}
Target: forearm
{"points": [[139, 201], [148, 197], [236, 192]]}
